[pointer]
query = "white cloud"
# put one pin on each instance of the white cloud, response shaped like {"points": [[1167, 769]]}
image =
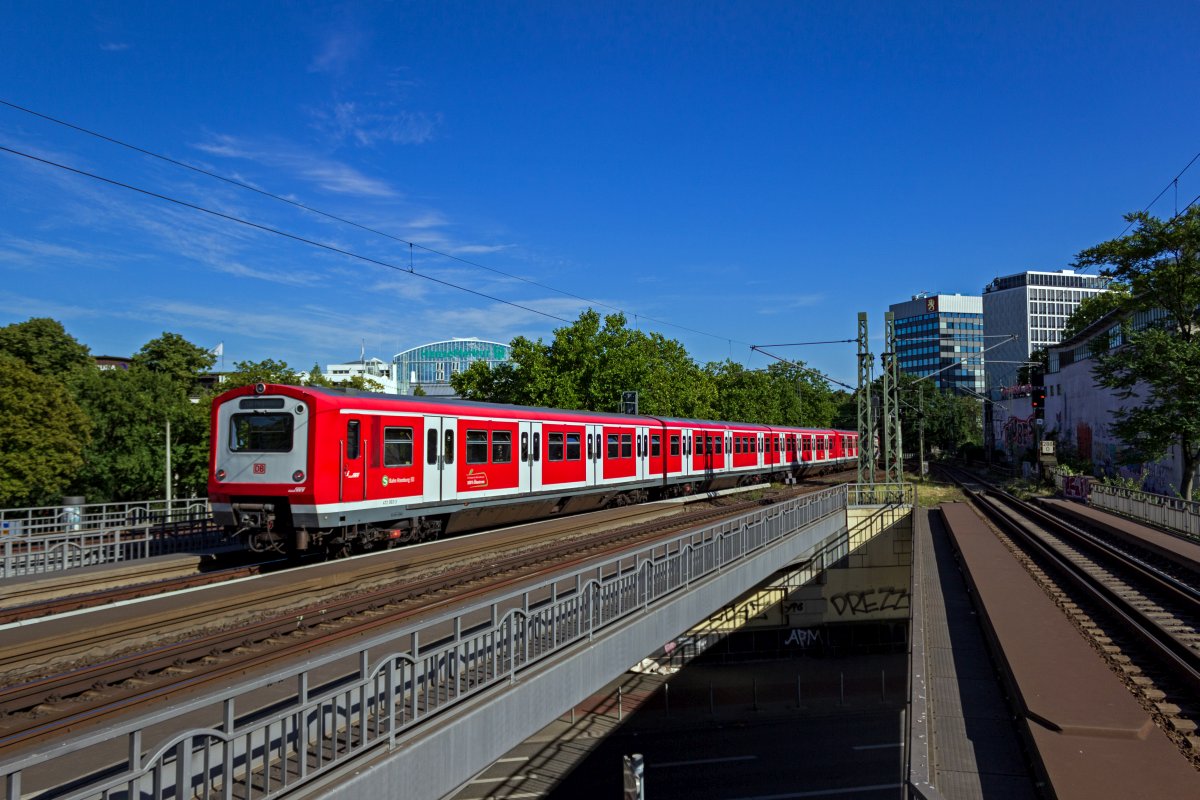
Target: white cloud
{"points": [[332, 176], [369, 125]]}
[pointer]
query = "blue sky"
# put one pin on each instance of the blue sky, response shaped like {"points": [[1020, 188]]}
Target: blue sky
{"points": [[755, 171]]}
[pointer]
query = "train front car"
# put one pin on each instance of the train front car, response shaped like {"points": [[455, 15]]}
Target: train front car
{"points": [[259, 466]]}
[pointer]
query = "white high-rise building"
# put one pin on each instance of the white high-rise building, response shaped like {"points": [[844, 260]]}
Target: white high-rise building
{"points": [[1033, 307]]}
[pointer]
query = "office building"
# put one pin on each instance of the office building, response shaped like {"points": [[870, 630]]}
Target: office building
{"points": [[940, 336], [1032, 308]]}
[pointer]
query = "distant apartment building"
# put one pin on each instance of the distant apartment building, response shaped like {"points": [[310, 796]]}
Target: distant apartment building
{"points": [[1032, 307], [940, 336], [374, 369]]}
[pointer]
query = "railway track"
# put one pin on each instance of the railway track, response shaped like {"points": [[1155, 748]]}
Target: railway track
{"points": [[72, 676], [1143, 618]]}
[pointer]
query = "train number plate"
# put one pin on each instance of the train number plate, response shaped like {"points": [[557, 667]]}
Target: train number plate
{"points": [[260, 469]]}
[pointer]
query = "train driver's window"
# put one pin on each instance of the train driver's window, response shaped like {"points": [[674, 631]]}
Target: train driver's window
{"points": [[674, 444], [477, 447], [431, 446], [572, 446], [397, 447], [448, 450], [501, 447], [352, 440], [554, 445], [655, 445]]}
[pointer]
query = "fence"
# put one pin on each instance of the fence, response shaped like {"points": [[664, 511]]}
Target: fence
{"points": [[55, 538], [401, 680], [1173, 513]]}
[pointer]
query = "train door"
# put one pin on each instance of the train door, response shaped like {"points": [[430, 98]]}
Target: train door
{"points": [[352, 485], [531, 456], [594, 454], [439, 459]]}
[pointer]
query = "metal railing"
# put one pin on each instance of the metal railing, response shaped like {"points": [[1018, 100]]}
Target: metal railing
{"points": [[401, 680], [54, 538], [1173, 513]]}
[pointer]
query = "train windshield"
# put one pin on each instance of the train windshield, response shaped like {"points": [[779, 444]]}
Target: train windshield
{"points": [[260, 433]]}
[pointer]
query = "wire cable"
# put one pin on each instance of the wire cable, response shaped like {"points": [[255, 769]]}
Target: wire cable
{"points": [[343, 220], [276, 231]]}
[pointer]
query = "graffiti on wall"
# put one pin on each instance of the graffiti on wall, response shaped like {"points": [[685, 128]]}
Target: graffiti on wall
{"points": [[1017, 433]]}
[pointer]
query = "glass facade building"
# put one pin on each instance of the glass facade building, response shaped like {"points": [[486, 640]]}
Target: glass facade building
{"points": [[941, 337], [431, 365]]}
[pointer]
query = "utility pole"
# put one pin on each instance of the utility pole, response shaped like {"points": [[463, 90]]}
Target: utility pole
{"points": [[168, 465], [866, 428], [921, 431], [893, 455]]}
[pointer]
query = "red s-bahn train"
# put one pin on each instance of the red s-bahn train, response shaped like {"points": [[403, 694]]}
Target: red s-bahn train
{"points": [[294, 468]]}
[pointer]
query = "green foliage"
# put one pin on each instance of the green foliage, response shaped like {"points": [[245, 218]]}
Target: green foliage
{"points": [[418, 391], [175, 357], [1158, 368], [42, 435], [1094, 307], [592, 362], [129, 409], [44, 346], [248, 373]]}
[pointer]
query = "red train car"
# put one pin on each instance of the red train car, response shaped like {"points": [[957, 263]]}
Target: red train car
{"points": [[299, 467]]}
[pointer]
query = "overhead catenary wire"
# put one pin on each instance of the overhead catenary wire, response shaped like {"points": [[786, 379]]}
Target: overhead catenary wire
{"points": [[275, 231], [352, 223]]}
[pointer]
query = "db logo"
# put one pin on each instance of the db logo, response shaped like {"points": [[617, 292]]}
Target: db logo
{"points": [[260, 469]]}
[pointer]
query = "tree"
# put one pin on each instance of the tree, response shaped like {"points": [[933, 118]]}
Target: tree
{"points": [[44, 346], [1158, 367], [42, 436], [126, 457], [588, 366], [248, 373], [1094, 307], [176, 357]]}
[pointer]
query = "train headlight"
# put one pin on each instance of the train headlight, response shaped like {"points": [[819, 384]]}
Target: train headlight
{"points": [[220, 474], [298, 475]]}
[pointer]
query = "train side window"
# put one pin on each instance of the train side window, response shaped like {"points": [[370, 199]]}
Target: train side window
{"points": [[554, 445], [501, 447], [537, 447], [626, 445], [655, 445], [448, 450], [718, 442], [477, 447], [572, 447], [614, 446], [431, 446], [674, 444], [524, 447], [352, 440], [397, 447]]}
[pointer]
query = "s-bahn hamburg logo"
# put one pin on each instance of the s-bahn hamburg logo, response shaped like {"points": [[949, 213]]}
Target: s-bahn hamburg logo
{"points": [[476, 480]]}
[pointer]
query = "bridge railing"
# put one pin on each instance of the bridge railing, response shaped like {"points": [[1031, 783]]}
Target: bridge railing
{"points": [[263, 740], [1173, 513], [48, 539]]}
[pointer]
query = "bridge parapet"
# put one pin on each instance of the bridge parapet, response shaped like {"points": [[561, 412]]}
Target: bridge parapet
{"points": [[294, 729]]}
